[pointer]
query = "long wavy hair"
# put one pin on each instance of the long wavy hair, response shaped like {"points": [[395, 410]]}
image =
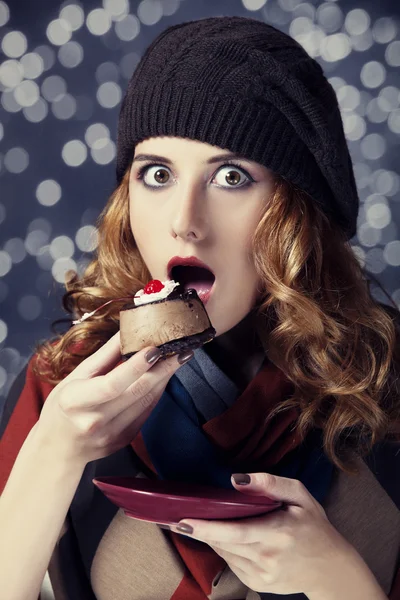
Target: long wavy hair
{"points": [[321, 326]]}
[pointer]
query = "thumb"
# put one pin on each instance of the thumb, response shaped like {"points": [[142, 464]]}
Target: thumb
{"points": [[285, 489]]}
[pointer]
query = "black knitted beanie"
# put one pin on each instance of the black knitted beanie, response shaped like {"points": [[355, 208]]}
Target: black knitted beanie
{"points": [[242, 85]]}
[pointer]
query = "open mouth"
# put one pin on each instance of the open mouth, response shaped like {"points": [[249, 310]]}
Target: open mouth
{"points": [[197, 278]]}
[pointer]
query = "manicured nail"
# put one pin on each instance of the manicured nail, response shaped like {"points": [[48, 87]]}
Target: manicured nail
{"points": [[184, 528], [164, 526], [241, 478], [185, 357], [152, 355]]}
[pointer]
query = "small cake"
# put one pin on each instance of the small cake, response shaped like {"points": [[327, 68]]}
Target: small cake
{"points": [[163, 314]]}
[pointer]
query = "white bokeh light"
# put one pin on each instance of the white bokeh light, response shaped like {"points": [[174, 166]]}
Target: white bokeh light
{"points": [[98, 21], [5, 263], [384, 30], [32, 64], [16, 249], [11, 73], [70, 55], [116, 9], [62, 247], [109, 94], [128, 28], [104, 154], [58, 32], [53, 88], [357, 21], [14, 44], [16, 160], [391, 253], [48, 192], [64, 108], [392, 54], [73, 15], [4, 13], [253, 4], [373, 74], [29, 307], [27, 93], [97, 134], [86, 238], [37, 112], [61, 266], [74, 153], [3, 331], [150, 11], [335, 47]]}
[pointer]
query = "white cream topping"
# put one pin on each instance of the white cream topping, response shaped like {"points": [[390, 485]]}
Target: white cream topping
{"points": [[143, 298]]}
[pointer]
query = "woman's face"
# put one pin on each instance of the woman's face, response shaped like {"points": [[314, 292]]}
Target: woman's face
{"points": [[190, 202]]}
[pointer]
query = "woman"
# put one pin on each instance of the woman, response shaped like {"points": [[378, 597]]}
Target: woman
{"points": [[230, 149]]}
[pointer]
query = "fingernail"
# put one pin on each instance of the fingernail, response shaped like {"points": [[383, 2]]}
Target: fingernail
{"points": [[184, 528], [241, 478], [185, 356], [152, 355], [164, 526]]}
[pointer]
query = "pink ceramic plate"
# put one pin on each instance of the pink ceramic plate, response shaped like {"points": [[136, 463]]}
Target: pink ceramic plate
{"points": [[168, 502]]}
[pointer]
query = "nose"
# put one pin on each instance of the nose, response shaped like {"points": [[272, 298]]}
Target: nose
{"points": [[189, 219]]}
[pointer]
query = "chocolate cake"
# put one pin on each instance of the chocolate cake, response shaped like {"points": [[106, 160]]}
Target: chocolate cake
{"points": [[163, 314]]}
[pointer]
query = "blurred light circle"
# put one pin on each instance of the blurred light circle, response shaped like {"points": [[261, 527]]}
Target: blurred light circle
{"points": [[47, 55], [107, 71], [16, 249], [128, 64], [335, 47], [74, 153], [348, 97], [11, 73], [3, 376], [394, 121], [105, 154], [387, 183], [302, 9], [128, 28], [378, 215], [368, 236], [357, 21], [53, 88], [5, 263], [3, 331], [392, 54], [289, 5], [362, 42], [354, 126], [374, 112], [95, 132], [9, 103], [98, 21], [384, 30], [4, 13], [37, 112], [109, 94], [70, 55], [41, 224], [44, 258], [14, 44], [337, 83], [32, 64], [391, 253], [373, 146], [253, 4], [87, 238], [61, 266], [312, 41], [117, 9], [27, 93], [365, 99], [48, 192], [73, 15], [389, 98], [330, 17], [2, 213], [170, 7], [35, 240], [362, 174], [62, 247], [373, 74], [150, 11], [1, 137], [10, 359], [29, 307], [58, 32], [64, 108], [300, 26], [16, 160]]}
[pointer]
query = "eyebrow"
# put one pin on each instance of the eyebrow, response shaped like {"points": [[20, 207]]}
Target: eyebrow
{"points": [[213, 159]]}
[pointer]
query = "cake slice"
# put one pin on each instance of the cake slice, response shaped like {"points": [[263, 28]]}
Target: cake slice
{"points": [[163, 314]]}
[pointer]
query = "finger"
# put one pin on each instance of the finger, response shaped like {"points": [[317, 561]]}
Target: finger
{"points": [[286, 489], [244, 531]]}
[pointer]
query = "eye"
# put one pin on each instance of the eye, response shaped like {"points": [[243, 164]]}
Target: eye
{"points": [[158, 173], [232, 177]]}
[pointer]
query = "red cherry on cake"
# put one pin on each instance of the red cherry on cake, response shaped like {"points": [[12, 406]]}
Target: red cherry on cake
{"points": [[153, 286]]}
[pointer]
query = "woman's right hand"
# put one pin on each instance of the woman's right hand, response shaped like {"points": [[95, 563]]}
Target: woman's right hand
{"points": [[99, 408]]}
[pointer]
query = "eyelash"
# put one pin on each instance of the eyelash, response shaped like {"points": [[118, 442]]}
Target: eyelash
{"points": [[143, 169]]}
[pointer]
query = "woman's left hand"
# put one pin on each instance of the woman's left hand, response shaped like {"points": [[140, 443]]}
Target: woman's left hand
{"points": [[290, 550]]}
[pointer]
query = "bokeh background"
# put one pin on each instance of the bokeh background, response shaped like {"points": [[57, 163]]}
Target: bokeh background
{"points": [[64, 68]]}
